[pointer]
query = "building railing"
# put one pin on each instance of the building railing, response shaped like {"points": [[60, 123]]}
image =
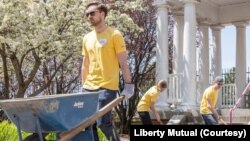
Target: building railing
{"points": [[228, 95], [174, 95], [228, 92], [236, 105]]}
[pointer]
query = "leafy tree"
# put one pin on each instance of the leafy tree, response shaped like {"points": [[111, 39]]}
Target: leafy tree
{"points": [[229, 76]]}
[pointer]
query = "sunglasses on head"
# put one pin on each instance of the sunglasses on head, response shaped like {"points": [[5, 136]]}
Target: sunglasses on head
{"points": [[92, 13]]}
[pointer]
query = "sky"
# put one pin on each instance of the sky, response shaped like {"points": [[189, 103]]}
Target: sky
{"points": [[228, 46]]}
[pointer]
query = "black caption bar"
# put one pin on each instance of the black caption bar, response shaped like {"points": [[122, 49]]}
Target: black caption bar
{"points": [[196, 132]]}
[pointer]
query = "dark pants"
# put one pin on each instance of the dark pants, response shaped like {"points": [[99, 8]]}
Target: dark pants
{"points": [[210, 119], [105, 122], [145, 118]]}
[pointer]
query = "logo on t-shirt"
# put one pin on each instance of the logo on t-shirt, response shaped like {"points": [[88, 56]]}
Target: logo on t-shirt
{"points": [[102, 41]]}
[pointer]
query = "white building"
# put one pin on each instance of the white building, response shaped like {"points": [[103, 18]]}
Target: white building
{"points": [[205, 14]]}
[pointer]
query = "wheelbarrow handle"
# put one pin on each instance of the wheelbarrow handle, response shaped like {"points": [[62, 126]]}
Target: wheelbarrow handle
{"points": [[66, 136]]}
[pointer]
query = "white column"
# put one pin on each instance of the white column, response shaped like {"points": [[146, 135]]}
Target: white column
{"points": [[216, 67], [189, 53], [177, 57], [178, 44], [240, 69], [162, 49], [204, 57]]}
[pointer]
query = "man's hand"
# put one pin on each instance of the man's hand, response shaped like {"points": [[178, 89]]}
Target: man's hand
{"points": [[128, 90], [220, 119]]}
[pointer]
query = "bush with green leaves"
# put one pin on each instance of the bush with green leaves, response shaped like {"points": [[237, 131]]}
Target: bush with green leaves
{"points": [[9, 133]]}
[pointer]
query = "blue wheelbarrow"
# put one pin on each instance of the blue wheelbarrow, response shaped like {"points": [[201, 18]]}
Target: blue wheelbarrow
{"points": [[67, 115]]}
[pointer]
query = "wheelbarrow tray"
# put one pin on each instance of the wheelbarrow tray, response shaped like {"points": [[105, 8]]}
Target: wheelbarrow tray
{"points": [[53, 113]]}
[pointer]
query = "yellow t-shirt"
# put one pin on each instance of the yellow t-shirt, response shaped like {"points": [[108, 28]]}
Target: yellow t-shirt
{"points": [[212, 94], [102, 49], [150, 96]]}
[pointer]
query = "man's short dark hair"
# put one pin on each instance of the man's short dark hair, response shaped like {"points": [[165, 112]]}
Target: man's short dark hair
{"points": [[100, 6], [219, 79], [163, 83]]}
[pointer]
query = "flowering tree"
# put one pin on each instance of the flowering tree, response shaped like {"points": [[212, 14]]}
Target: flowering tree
{"points": [[38, 38], [40, 43]]}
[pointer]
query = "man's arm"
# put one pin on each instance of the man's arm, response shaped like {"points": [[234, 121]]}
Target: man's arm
{"points": [[157, 116], [212, 109], [122, 58], [85, 68]]}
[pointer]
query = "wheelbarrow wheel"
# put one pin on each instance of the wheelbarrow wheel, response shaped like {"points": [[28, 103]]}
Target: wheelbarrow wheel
{"points": [[34, 137]]}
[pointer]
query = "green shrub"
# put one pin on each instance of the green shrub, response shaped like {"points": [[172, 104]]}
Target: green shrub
{"points": [[9, 132], [101, 135], [51, 137]]}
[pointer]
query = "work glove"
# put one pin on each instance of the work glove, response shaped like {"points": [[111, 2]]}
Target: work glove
{"points": [[128, 90]]}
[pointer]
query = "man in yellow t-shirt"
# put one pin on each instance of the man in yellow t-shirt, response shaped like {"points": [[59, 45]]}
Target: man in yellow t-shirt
{"points": [[147, 103], [103, 51], [208, 103]]}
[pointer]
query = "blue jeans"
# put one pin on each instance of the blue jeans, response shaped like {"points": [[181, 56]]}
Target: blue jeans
{"points": [[105, 122], [209, 119]]}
